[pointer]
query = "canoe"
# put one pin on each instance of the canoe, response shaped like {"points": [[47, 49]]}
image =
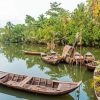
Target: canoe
{"points": [[97, 61], [89, 57], [36, 84], [52, 59], [92, 65], [32, 53], [97, 83]]}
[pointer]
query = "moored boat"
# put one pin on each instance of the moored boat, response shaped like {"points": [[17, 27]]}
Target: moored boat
{"points": [[66, 50], [92, 65], [32, 52], [78, 58], [36, 84], [89, 57], [97, 82], [68, 53], [52, 59]]}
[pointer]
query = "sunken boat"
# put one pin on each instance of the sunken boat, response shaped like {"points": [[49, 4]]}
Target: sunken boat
{"points": [[36, 84]]}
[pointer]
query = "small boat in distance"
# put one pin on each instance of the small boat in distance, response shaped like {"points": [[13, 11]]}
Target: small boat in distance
{"points": [[52, 59], [32, 52], [92, 65], [89, 57], [78, 58], [36, 84]]}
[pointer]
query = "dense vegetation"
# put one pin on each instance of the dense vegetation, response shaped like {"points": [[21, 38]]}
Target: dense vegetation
{"points": [[56, 25]]}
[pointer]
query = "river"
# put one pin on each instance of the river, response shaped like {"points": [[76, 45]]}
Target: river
{"points": [[12, 59]]}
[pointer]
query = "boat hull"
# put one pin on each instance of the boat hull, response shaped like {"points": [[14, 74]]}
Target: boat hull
{"points": [[90, 66], [35, 85], [53, 61], [32, 53], [39, 92]]}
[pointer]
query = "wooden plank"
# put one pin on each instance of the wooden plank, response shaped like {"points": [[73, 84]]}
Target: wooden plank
{"points": [[2, 75], [24, 81], [32, 81], [37, 81], [59, 87], [43, 82], [49, 83], [12, 83]]}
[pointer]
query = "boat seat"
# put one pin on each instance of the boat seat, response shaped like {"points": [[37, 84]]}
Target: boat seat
{"points": [[59, 87], [20, 78], [15, 77], [12, 83], [10, 77], [24, 81], [49, 83], [2, 75], [32, 81], [36, 81], [43, 82]]}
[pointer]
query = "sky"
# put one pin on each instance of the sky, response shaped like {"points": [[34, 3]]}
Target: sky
{"points": [[16, 10]]}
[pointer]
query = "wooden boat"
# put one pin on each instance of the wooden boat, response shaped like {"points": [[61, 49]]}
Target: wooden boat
{"points": [[52, 59], [78, 58], [97, 83], [66, 49], [92, 65], [97, 61], [71, 50], [53, 52], [89, 57], [32, 53], [37, 85], [67, 52]]}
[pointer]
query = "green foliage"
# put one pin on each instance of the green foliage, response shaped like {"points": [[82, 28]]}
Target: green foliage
{"points": [[58, 25]]}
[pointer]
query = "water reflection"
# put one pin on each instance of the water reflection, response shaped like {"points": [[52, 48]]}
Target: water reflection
{"points": [[22, 95], [12, 59]]}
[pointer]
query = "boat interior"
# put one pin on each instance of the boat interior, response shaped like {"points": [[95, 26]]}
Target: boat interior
{"points": [[21, 80]]}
